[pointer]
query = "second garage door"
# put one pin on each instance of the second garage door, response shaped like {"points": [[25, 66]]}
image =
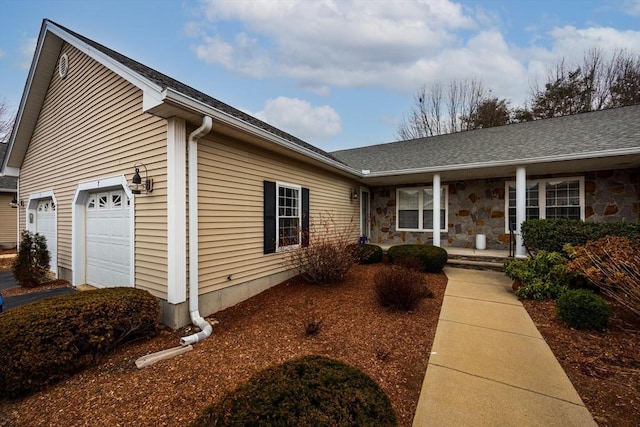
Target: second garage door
{"points": [[108, 244]]}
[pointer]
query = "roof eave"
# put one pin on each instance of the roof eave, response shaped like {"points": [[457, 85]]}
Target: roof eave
{"points": [[192, 105], [507, 163], [48, 47]]}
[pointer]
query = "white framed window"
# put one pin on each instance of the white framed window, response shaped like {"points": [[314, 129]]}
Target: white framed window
{"points": [[289, 215], [548, 198], [414, 208], [103, 201], [91, 202]]}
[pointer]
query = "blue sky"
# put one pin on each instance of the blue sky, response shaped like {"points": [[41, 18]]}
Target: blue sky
{"points": [[337, 74]]}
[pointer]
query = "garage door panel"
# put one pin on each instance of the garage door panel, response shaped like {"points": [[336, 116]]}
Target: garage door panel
{"points": [[108, 239], [46, 226]]}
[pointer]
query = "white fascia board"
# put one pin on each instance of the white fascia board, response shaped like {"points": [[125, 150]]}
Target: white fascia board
{"points": [[120, 69], [11, 171], [193, 104], [516, 162]]}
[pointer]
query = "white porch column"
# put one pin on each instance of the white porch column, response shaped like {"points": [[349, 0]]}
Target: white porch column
{"points": [[436, 209], [521, 209], [176, 211]]}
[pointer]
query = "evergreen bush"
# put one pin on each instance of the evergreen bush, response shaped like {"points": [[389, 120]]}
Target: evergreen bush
{"points": [[50, 339], [309, 391], [32, 262], [582, 309], [552, 234], [431, 259]]}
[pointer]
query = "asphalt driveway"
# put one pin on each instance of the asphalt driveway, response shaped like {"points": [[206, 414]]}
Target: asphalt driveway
{"points": [[7, 282]]}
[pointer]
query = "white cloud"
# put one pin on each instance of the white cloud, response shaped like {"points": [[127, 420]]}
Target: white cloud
{"points": [[27, 49], [632, 7], [2, 53], [398, 45], [300, 118], [347, 43]]}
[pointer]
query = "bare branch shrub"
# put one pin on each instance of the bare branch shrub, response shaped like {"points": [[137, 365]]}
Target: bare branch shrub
{"points": [[400, 288], [613, 265], [330, 253]]}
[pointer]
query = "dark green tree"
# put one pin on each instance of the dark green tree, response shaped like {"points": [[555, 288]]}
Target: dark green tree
{"points": [[489, 113], [31, 266]]}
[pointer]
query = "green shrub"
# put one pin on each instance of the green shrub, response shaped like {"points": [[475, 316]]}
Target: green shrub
{"points": [[400, 288], [309, 391], [552, 234], [539, 290], [582, 309], [367, 254], [543, 276], [31, 265], [48, 340], [431, 259]]}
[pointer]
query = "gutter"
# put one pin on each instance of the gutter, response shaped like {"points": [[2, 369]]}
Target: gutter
{"points": [[498, 163], [196, 318]]}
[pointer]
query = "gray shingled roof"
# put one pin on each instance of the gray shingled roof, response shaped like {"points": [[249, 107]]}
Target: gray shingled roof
{"points": [[165, 81], [6, 182], [598, 131]]}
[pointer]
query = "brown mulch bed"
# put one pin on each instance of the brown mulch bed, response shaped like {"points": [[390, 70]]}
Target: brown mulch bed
{"points": [[391, 347], [604, 367]]}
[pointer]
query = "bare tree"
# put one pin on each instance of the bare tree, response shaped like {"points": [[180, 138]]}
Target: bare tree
{"points": [[7, 118], [439, 110], [598, 82]]}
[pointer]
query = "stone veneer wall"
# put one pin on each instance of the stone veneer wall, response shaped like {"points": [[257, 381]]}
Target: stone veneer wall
{"points": [[612, 195], [478, 207]]}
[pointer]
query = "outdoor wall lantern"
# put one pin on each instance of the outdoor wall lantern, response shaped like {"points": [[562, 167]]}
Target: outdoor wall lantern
{"points": [[137, 185], [354, 194], [15, 203]]}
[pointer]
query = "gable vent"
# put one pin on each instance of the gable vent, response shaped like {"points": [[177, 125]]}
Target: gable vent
{"points": [[63, 66]]}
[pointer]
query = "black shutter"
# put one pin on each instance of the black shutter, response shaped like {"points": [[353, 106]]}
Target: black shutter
{"points": [[305, 217], [269, 217]]}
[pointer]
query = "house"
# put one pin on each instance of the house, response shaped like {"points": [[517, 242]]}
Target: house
{"points": [[584, 166], [8, 211], [139, 180]]}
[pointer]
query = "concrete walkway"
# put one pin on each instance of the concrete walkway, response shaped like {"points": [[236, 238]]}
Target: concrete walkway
{"points": [[490, 366]]}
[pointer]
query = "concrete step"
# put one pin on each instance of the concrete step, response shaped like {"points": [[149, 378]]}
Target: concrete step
{"points": [[477, 262]]}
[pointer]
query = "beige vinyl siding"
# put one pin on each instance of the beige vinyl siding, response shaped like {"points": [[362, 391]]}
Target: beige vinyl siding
{"points": [[8, 223], [231, 226], [92, 127]]}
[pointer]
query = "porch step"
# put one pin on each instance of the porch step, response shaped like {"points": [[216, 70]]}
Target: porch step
{"points": [[476, 262]]}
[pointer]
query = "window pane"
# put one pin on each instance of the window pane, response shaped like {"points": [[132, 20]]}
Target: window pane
{"points": [[289, 232], [427, 198], [570, 212], [427, 219], [408, 219], [563, 199], [408, 199]]}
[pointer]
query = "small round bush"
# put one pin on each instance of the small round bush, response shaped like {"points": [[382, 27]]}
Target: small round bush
{"points": [[582, 309], [435, 259], [309, 391], [400, 288], [367, 254], [431, 259]]}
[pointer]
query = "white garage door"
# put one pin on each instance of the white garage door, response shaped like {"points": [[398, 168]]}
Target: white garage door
{"points": [[46, 226], [108, 239]]}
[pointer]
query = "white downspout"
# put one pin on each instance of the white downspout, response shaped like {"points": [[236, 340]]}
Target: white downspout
{"points": [[196, 319]]}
